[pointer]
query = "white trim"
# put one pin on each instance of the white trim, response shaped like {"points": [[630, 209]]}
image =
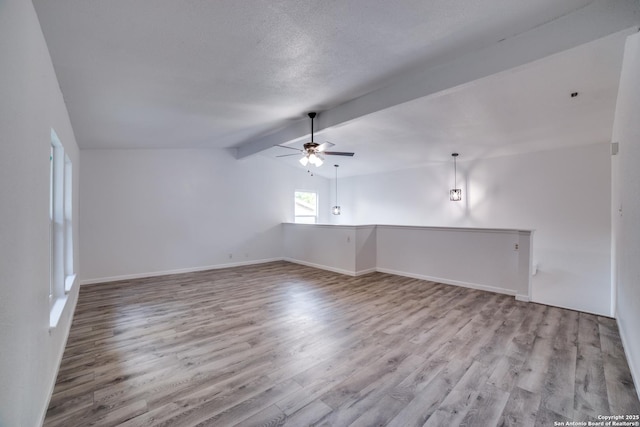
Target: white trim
{"points": [[320, 266], [327, 225], [449, 282], [56, 311], [523, 298], [220, 266], [635, 375], [412, 275], [582, 310], [463, 229], [69, 282], [366, 271], [176, 271], [421, 227]]}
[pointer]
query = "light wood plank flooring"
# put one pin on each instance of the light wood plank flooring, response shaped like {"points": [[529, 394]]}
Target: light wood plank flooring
{"points": [[282, 344]]}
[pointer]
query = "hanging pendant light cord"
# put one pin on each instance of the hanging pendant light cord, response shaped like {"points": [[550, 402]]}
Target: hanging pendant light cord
{"points": [[455, 174], [336, 185]]}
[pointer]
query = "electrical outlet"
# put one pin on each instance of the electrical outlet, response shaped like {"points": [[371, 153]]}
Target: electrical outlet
{"points": [[516, 247]]}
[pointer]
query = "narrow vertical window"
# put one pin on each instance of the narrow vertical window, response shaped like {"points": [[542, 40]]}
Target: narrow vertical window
{"points": [[62, 276], [68, 224], [306, 207], [51, 174]]}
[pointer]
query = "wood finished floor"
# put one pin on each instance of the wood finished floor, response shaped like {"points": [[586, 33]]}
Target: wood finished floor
{"points": [[282, 344]]}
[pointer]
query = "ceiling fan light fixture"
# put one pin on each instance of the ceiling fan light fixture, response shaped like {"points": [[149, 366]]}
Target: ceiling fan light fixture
{"points": [[313, 158], [311, 150]]}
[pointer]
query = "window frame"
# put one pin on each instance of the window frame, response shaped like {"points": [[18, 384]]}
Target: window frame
{"points": [[61, 266], [313, 217]]}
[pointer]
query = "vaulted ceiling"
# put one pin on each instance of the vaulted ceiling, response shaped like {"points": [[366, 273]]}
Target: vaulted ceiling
{"points": [[401, 83]]}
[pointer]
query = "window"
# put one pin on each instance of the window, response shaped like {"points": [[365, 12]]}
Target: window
{"points": [[62, 276], [51, 222], [306, 207], [68, 224]]}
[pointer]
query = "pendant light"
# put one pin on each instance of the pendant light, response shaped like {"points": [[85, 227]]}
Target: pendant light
{"points": [[336, 209], [455, 195]]}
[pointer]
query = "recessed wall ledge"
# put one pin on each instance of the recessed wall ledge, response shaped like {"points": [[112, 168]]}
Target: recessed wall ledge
{"points": [[421, 227]]}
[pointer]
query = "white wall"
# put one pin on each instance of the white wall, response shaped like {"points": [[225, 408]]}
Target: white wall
{"points": [[626, 215], [366, 249], [156, 211], [321, 246], [30, 105], [478, 258], [562, 194]]}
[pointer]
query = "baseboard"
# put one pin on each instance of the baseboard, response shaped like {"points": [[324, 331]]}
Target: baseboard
{"points": [[632, 367], [448, 281], [308, 264], [405, 274], [366, 271], [176, 271], [322, 267], [523, 298], [566, 307]]}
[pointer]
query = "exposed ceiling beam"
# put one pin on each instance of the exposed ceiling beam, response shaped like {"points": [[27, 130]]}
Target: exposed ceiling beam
{"points": [[598, 19]]}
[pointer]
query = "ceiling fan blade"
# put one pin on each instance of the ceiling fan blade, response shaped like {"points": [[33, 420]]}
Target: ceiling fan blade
{"points": [[338, 153], [287, 155], [324, 146], [290, 148]]}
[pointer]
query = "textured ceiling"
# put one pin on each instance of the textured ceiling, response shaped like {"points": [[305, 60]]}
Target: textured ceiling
{"points": [[160, 73], [526, 109]]}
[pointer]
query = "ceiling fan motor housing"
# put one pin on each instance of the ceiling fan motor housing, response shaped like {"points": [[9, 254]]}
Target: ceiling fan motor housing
{"points": [[310, 146]]}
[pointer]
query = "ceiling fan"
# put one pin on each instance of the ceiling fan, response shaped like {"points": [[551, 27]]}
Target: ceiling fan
{"points": [[312, 151]]}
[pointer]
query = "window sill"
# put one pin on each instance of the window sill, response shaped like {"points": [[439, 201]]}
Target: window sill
{"points": [[69, 281], [56, 312]]}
